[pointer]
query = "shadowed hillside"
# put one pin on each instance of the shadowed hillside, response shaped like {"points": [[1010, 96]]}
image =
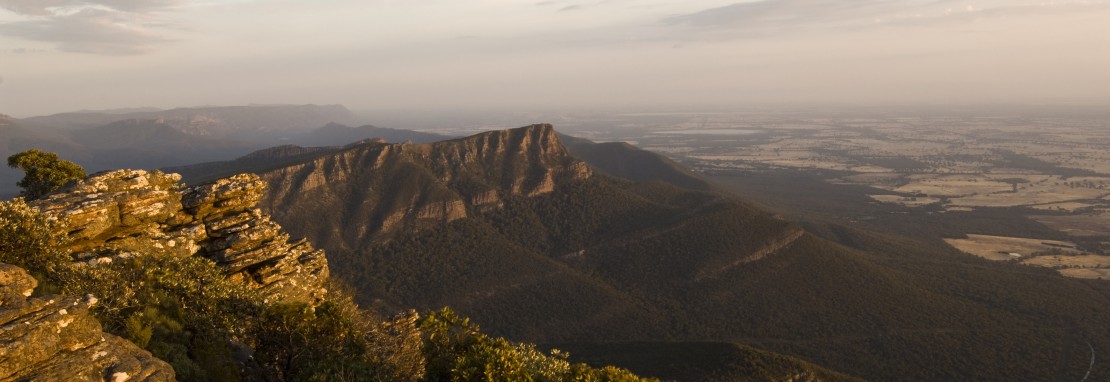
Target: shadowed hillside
{"points": [[702, 361], [623, 160], [512, 230]]}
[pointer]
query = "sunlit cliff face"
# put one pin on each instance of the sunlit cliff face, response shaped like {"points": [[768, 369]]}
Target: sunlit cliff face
{"points": [[64, 54]]}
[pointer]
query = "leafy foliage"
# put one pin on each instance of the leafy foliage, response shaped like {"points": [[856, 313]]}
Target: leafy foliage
{"points": [[44, 172], [186, 311], [336, 341], [606, 260], [457, 351], [183, 310], [702, 361], [28, 240]]}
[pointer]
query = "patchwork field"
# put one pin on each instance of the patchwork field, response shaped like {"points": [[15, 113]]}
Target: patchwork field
{"points": [[1051, 169], [1093, 224], [1060, 255], [1009, 248]]}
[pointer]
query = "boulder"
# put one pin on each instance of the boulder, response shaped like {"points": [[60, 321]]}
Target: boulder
{"points": [[54, 338], [123, 213]]}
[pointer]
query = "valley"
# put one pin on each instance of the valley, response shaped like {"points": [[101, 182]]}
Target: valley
{"points": [[788, 268], [507, 227], [554, 191], [1048, 168]]}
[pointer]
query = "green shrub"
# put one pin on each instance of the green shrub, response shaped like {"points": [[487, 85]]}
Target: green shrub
{"points": [[28, 240], [187, 312], [458, 351], [183, 310], [336, 341]]}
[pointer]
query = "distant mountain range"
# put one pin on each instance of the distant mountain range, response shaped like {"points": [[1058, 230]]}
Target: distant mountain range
{"points": [[144, 138], [227, 121], [513, 229], [613, 252]]}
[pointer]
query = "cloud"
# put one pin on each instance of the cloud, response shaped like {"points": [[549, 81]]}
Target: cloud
{"points": [[108, 27], [773, 13], [51, 7], [773, 17], [562, 6]]}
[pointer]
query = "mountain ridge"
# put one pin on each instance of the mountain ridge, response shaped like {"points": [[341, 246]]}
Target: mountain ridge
{"points": [[159, 138], [512, 230], [215, 120], [667, 263], [199, 277], [441, 180]]}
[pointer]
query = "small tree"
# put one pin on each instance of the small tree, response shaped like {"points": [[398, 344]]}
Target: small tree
{"points": [[44, 172], [28, 240]]}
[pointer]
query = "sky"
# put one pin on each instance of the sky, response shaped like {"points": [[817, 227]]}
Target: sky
{"points": [[65, 55]]}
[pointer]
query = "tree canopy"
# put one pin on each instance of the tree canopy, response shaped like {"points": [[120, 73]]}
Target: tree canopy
{"points": [[44, 172]]}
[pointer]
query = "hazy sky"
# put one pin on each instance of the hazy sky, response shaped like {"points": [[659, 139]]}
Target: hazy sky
{"points": [[61, 55]]}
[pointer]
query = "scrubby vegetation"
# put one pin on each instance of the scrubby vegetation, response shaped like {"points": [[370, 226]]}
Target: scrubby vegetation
{"points": [[458, 351], [606, 260], [703, 361], [211, 328], [28, 240]]}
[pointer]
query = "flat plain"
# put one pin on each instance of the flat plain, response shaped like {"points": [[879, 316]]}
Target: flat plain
{"points": [[1053, 169]]}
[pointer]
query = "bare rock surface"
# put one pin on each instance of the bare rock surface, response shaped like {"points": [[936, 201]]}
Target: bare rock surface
{"points": [[123, 213], [374, 190], [55, 338]]}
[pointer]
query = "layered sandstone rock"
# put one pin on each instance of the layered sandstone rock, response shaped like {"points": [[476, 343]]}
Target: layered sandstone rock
{"points": [[126, 213], [54, 338]]}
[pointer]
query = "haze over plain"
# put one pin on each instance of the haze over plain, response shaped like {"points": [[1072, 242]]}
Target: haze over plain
{"points": [[62, 55]]}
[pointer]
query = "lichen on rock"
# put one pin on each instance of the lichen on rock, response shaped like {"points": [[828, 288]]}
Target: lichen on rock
{"points": [[55, 338], [124, 213]]}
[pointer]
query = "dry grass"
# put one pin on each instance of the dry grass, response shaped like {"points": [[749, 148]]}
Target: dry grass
{"points": [[999, 247], [1065, 206], [1086, 273], [1066, 260], [1097, 224], [1078, 261], [963, 163]]}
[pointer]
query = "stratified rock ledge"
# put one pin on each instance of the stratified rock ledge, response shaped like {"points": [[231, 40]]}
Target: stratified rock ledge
{"points": [[124, 213], [55, 338]]}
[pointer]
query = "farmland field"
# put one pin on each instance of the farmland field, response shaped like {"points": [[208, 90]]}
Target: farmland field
{"points": [[1052, 170]]}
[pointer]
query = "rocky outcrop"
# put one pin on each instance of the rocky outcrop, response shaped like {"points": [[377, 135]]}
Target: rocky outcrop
{"points": [[54, 338], [245, 242], [125, 213], [374, 189], [523, 161]]}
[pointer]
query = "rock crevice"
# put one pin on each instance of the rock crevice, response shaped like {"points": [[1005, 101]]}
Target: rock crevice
{"points": [[124, 213]]}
